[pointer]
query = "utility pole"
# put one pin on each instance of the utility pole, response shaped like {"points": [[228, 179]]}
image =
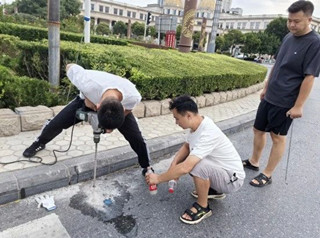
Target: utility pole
{"points": [[190, 7], [87, 8], [54, 41], [214, 29]]}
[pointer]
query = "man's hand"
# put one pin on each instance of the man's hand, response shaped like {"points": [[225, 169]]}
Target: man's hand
{"points": [[152, 179], [263, 93], [295, 112], [68, 66]]}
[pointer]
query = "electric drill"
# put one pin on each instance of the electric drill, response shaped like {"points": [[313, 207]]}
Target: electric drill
{"points": [[92, 118]]}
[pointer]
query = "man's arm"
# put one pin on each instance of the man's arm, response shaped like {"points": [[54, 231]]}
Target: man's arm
{"points": [[263, 93], [174, 172], [305, 89], [181, 155]]}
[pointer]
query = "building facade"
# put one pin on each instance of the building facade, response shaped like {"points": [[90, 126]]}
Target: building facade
{"points": [[110, 11]]}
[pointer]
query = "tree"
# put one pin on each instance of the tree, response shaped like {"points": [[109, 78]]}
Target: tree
{"points": [[178, 32], [269, 43], [72, 24], [277, 27], [103, 29], [232, 38], [152, 31], [39, 8], [138, 28], [119, 28], [251, 43], [36, 8], [220, 43], [69, 8], [196, 36]]}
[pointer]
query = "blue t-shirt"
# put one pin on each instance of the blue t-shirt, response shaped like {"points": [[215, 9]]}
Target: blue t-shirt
{"points": [[297, 57]]}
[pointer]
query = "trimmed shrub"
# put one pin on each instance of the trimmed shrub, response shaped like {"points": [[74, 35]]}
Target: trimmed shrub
{"points": [[30, 33]]}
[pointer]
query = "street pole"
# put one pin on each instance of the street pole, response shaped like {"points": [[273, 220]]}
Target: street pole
{"points": [[214, 29], [190, 7], [159, 31], [145, 30], [54, 41], [129, 29], [87, 9]]}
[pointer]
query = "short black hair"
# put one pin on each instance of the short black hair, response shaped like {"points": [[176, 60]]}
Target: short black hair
{"points": [[110, 114], [183, 104], [305, 6]]}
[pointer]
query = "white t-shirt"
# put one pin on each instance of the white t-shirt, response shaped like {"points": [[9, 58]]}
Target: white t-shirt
{"points": [[210, 143], [92, 84]]}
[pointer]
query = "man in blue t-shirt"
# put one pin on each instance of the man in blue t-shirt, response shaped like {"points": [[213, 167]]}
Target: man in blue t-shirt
{"points": [[286, 90]]}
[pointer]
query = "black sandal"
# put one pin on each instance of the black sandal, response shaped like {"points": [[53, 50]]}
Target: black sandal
{"points": [[248, 165], [262, 180], [197, 217]]}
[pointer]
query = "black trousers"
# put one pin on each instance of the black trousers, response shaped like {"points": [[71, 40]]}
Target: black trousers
{"points": [[66, 118]]}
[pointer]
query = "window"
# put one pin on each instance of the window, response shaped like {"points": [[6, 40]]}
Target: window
{"points": [[134, 15], [174, 12], [244, 24], [121, 12], [168, 11], [100, 8], [115, 11], [128, 14], [265, 25], [106, 9], [239, 25], [141, 16], [92, 7], [232, 25], [257, 25], [251, 25]]}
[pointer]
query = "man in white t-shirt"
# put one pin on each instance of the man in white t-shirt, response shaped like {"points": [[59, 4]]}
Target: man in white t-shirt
{"points": [[113, 98], [208, 155]]}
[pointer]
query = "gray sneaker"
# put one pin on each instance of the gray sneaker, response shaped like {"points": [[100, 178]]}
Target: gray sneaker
{"points": [[212, 194]]}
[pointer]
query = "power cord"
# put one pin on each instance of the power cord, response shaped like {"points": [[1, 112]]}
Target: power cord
{"points": [[38, 159]]}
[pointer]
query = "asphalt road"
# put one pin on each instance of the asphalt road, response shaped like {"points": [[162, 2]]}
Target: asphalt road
{"points": [[283, 209]]}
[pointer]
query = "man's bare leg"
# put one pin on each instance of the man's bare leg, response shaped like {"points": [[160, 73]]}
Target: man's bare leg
{"points": [[259, 142], [202, 188], [276, 153]]}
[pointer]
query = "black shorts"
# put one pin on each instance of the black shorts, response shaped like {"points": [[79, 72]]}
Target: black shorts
{"points": [[271, 118]]}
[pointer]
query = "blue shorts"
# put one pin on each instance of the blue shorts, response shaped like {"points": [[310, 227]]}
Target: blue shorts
{"points": [[271, 118]]}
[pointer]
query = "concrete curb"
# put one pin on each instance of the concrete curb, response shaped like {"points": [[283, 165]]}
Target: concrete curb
{"points": [[19, 184]]}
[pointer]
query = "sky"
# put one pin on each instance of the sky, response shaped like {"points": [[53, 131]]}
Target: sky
{"points": [[250, 7]]}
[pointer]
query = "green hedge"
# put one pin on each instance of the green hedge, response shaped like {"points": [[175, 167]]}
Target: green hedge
{"points": [[30, 33], [158, 74], [23, 91]]}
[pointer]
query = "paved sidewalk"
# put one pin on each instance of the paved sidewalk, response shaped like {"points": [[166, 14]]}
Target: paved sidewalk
{"points": [[163, 137]]}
